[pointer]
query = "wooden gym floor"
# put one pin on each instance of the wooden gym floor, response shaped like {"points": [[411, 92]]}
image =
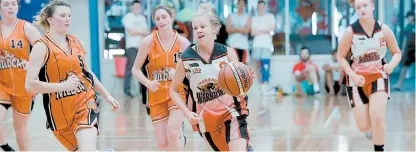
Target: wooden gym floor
{"points": [[290, 124]]}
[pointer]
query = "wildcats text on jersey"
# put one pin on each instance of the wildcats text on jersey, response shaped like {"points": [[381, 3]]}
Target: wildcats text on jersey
{"points": [[163, 74], [8, 60], [63, 94]]}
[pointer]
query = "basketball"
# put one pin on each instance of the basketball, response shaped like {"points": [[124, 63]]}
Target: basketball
{"points": [[235, 78]]}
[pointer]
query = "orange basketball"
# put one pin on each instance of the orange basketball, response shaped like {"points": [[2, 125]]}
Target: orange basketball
{"points": [[235, 78]]}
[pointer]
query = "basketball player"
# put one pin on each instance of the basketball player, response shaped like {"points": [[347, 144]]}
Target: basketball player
{"points": [[367, 73], [57, 69], [221, 118], [161, 50], [16, 38]]}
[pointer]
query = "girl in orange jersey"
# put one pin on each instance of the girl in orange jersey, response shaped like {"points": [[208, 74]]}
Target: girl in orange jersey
{"points": [[161, 51], [219, 117], [15, 39], [57, 69], [368, 86]]}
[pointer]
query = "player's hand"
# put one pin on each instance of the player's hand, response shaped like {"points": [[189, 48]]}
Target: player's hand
{"points": [[114, 103], [71, 83], [172, 73], [253, 74], [153, 85], [358, 79], [193, 118], [388, 68]]}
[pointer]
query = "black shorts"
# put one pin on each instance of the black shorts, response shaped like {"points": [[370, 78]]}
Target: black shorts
{"points": [[336, 87], [409, 56]]}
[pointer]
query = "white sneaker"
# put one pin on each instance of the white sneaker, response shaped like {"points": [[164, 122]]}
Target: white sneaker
{"points": [[369, 135]]}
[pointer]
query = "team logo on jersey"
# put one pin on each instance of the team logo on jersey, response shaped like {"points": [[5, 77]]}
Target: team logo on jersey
{"points": [[196, 70], [164, 74], [8, 60], [194, 65], [209, 89], [222, 64], [63, 94], [369, 56]]}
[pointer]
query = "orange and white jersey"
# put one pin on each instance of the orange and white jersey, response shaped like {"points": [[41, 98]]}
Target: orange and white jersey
{"points": [[368, 52], [14, 56]]}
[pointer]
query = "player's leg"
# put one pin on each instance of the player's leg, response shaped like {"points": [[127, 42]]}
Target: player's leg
{"points": [[329, 82], [159, 115], [238, 134], [359, 104], [87, 138], [22, 107], [67, 138], [85, 126], [4, 105], [174, 131], [378, 102]]}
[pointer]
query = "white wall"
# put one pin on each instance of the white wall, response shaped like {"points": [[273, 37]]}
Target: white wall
{"points": [[80, 24]]}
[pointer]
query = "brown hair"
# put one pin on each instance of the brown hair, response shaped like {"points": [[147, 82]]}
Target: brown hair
{"points": [[352, 2], [207, 10], [41, 19], [164, 7]]}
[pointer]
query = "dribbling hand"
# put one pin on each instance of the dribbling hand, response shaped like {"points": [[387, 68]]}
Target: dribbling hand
{"points": [[71, 83], [358, 79], [193, 118], [388, 68], [153, 85], [114, 103]]}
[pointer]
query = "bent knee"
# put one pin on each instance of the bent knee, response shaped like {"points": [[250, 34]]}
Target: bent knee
{"points": [[377, 120], [364, 128], [173, 133]]}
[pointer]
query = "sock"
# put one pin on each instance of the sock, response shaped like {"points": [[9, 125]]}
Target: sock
{"points": [[378, 147], [316, 87], [6, 147]]}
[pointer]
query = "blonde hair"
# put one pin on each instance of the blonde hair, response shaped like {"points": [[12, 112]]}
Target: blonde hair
{"points": [[206, 9], [41, 20], [352, 2]]}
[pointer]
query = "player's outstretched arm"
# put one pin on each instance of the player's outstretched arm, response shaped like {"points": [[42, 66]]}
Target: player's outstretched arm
{"points": [[37, 59], [176, 97]]}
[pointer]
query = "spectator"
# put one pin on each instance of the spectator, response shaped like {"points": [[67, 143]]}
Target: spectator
{"points": [[409, 48], [306, 75], [261, 26], [136, 29], [238, 28], [332, 75]]}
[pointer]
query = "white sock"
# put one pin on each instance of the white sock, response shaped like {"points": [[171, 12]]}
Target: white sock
{"points": [[316, 87]]}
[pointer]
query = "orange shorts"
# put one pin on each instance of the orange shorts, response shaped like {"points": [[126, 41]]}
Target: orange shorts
{"points": [[21, 104], [85, 117], [160, 112], [234, 128]]}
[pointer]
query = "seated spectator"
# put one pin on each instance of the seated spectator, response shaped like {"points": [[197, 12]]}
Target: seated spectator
{"points": [[332, 75], [306, 75]]}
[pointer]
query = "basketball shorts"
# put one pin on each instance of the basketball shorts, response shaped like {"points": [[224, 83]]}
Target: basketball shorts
{"points": [[85, 117], [336, 87], [362, 94], [242, 55], [306, 87], [234, 128], [160, 112], [21, 104]]}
